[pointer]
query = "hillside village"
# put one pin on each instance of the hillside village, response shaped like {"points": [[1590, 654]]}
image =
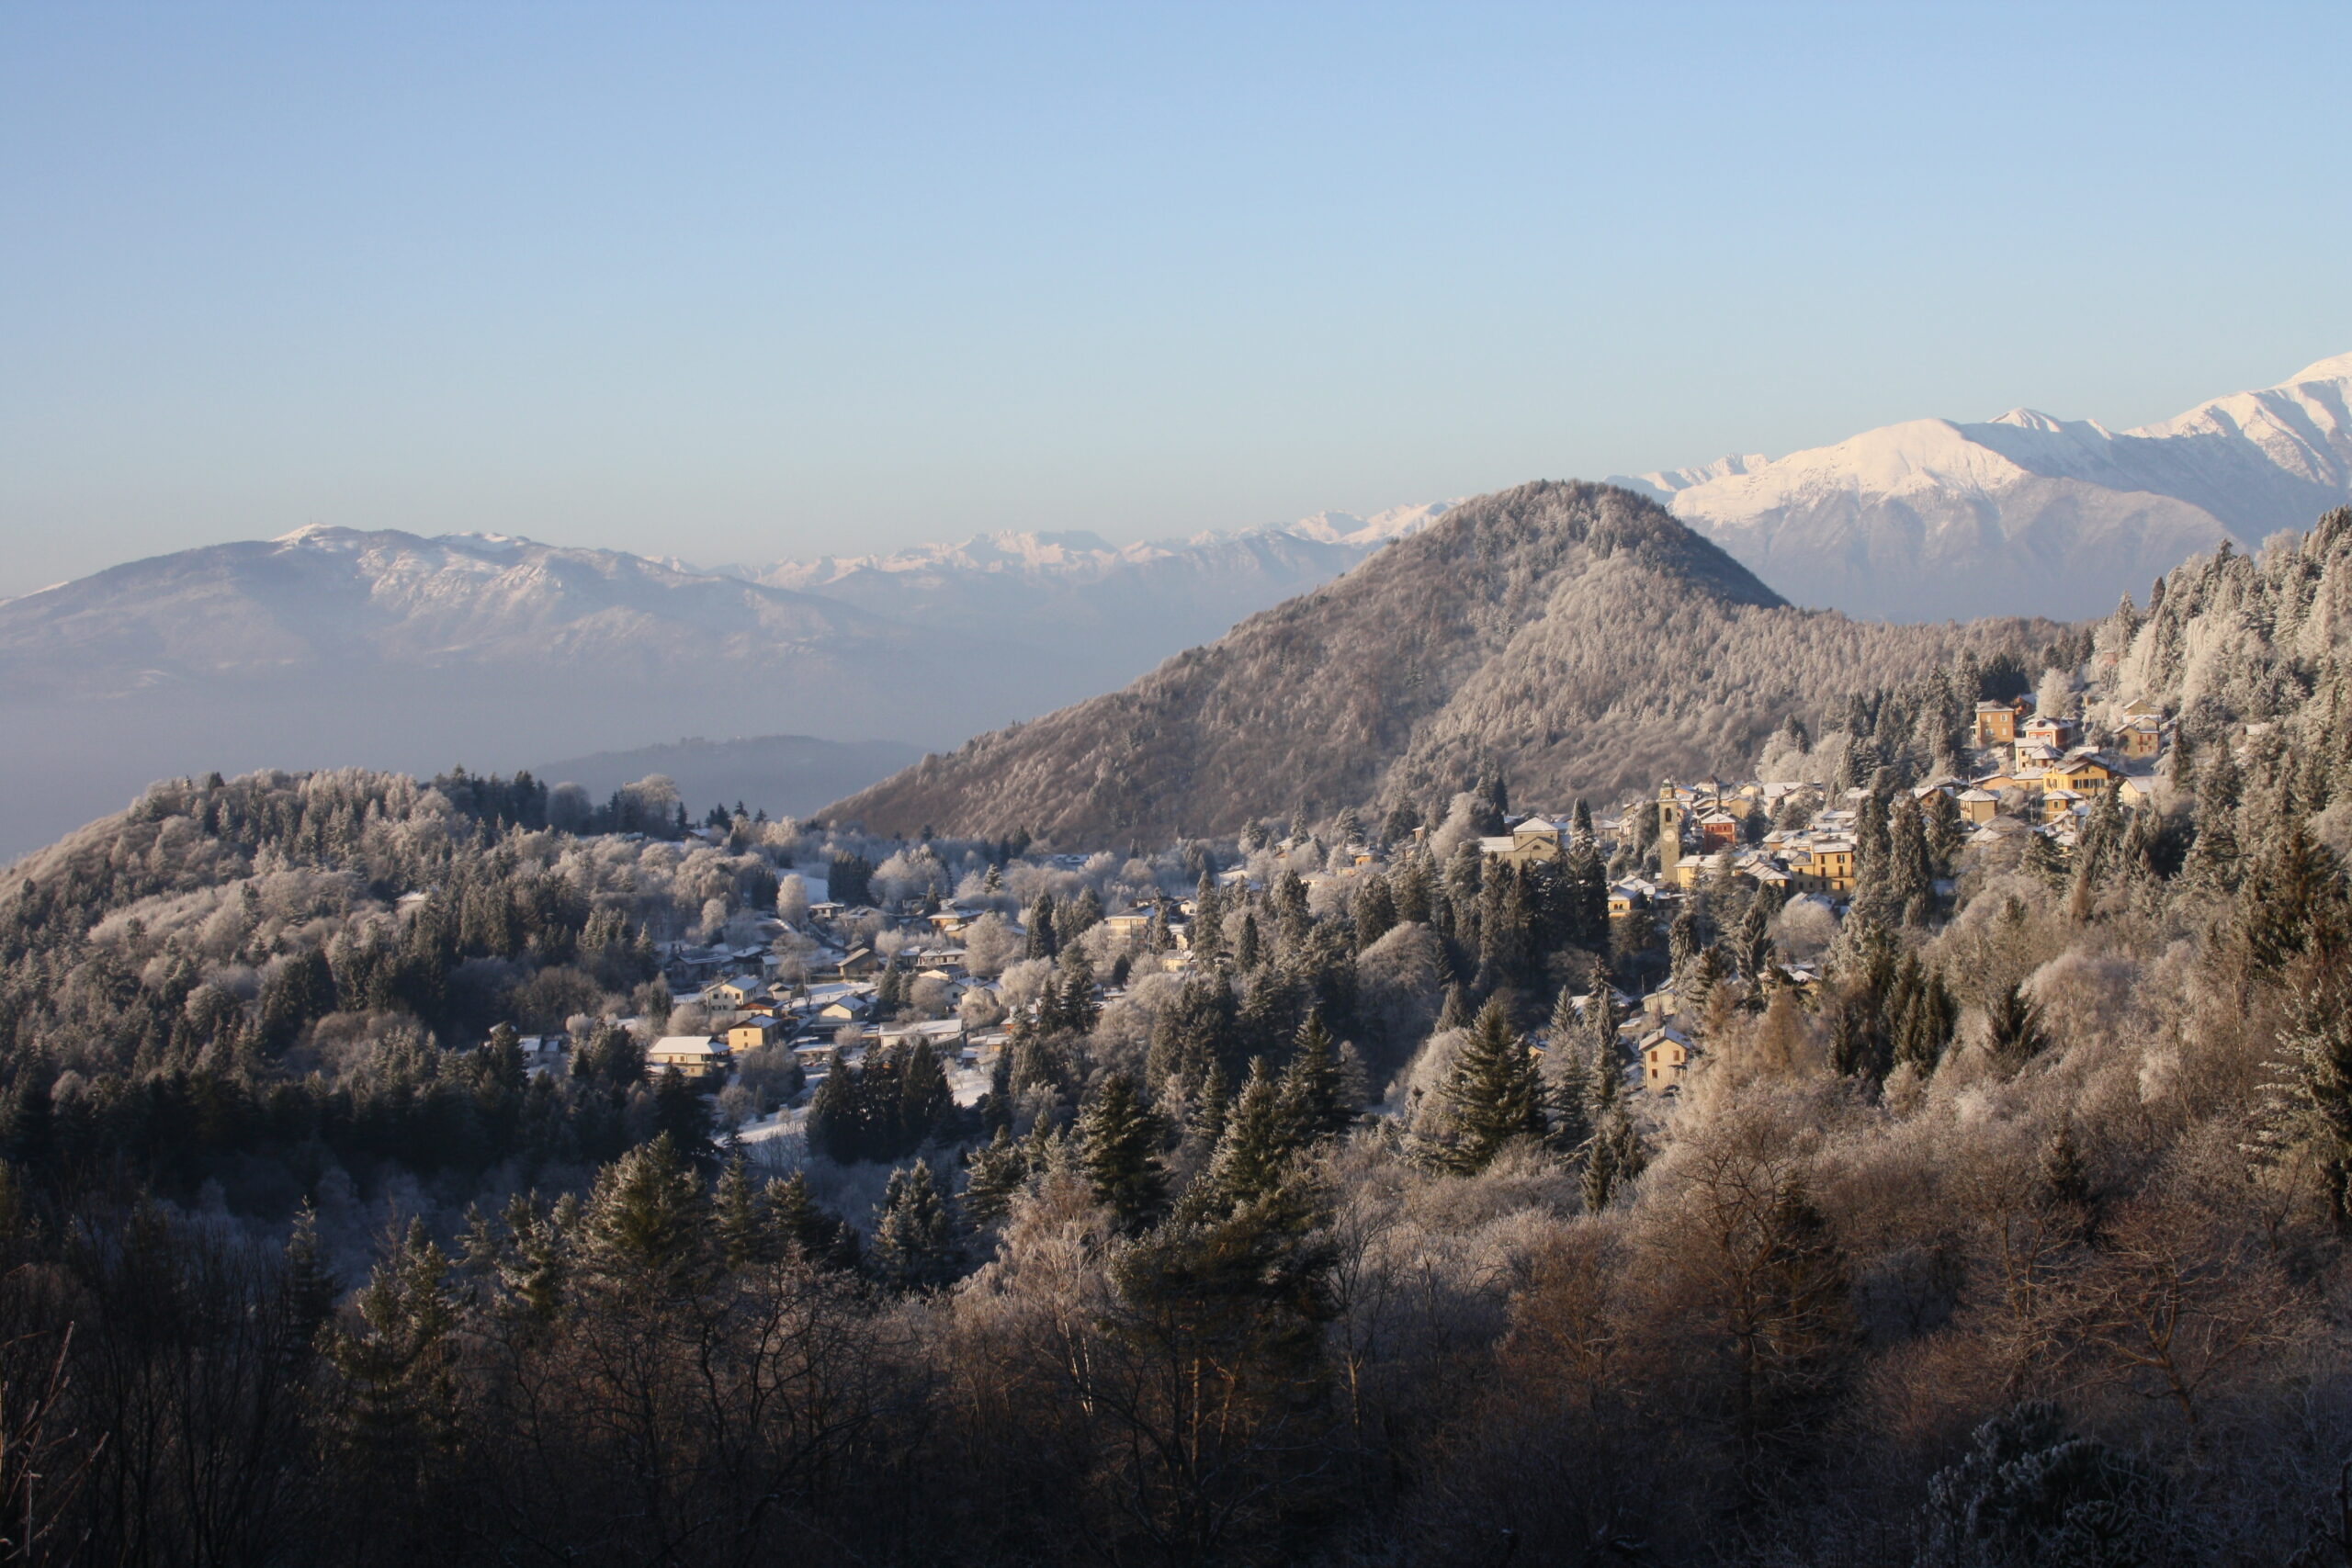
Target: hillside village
{"points": [[842, 982]]}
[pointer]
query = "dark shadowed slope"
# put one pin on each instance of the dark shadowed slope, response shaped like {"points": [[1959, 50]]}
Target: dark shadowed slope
{"points": [[1575, 635]]}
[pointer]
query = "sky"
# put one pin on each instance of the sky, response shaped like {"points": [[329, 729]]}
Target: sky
{"points": [[744, 282]]}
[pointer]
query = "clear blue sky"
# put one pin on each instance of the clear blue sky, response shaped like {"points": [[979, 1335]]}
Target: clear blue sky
{"points": [[744, 281]]}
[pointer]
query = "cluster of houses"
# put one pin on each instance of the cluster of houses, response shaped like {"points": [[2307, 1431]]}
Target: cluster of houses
{"points": [[2029, 774]]}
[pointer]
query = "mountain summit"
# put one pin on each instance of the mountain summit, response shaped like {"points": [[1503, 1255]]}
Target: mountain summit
{"points": [[1575, 636], [2027, 511]]}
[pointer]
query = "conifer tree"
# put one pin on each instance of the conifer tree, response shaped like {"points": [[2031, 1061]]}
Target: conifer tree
{"points": [[1492, 1091], [1612, 1158], [646, 1228], [1043, 940], [1118, 1152], [1568, 1086], [737, 1225], [1312, 1095], [1208, 919], [2014, 1030], [994, 1172], [1376, 911], [1246, 952], [1254, 1148], [914, 1239], [2212, 862], [1454, 1011]]}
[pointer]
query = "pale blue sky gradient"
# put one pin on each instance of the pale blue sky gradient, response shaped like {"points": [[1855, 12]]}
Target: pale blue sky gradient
{"points": [[739, 282]]}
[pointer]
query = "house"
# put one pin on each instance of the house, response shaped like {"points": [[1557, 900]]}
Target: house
{"points": [[1130, 927], [1979, 805], [740, 990], [2131, 792], [859, 961], [1996, 724], [845, 1009], [2055, 733], [2083, 772], [694, 1056], [753, 1033], [1718, 830], [1664, 1057], [2142, 738]]}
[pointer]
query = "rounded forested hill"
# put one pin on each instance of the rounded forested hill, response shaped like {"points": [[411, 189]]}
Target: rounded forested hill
{"points": [[1575, 636]]}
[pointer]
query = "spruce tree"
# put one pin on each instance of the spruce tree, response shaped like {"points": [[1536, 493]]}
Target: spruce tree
{"points": [[1376, 911], [2014, 1029], [1044, 941], [1255, 1145], [1492, 1093], [1568, 1086], [1245, 947], [1312, 1095], [646, 1230], [915, 1238], [994, 1172], [737, 1225], [1118, 1141]]}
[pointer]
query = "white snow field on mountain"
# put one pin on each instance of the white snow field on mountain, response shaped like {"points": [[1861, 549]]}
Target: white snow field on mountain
{"points": [[2026, 514]]}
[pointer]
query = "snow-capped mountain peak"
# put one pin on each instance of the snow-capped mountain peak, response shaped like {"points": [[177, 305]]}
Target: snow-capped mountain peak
{"points": [[2027, 511]]}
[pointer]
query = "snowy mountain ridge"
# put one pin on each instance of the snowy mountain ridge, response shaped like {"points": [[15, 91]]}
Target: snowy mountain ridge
{"points": [[2027, 511]]}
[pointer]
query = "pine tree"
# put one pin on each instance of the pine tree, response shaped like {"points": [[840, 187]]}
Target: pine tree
{"points": [[2212, 862], [1612, 1158], [1492, 1093], [1567, 1087], [647, 1225], [994, 1172], [1118, 1152], [1043, 940], [2014, 1030], [1208, 919], [1376, 911], [1312, 1095], [737, 1224], [1246, 953], [1254, 1148], [1454, 1012], [914, 1239]]}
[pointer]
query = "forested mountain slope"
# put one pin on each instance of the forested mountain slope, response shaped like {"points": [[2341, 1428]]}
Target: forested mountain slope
{"points": [[1574, 635]]}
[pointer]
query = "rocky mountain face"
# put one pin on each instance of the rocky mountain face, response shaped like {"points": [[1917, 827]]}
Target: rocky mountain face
{"points": [[1576, 635], [2025, 512]]}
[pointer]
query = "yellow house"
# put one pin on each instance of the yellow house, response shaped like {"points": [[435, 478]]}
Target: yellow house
{"points": [[1979, 805], [1666, 1057], [1996, 724], [2143, 738], [2083, 775], [694, 1056], [752, 1034]]}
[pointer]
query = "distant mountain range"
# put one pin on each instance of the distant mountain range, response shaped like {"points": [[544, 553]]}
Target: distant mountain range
{"points": [[1576, 636], [2027, 513], [333, 646]]}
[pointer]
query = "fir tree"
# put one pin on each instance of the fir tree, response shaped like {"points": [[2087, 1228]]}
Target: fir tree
{"points": [[1492, 1093], [1312, 1096], [1044, 941], [737, 1225], [915, 1238], [645, 1227], [994, 1172], [2013, 1030], [1118, 1139], [1254, 1148]]}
